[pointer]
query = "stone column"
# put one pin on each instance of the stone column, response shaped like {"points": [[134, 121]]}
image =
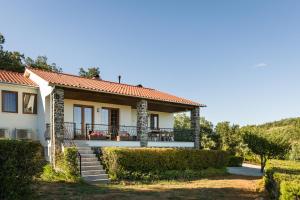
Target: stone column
{"points": [[57, 123], [142, 122], [195, 125]]}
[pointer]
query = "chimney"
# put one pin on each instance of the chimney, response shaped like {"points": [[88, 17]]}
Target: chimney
{"points": [[119, 77]]}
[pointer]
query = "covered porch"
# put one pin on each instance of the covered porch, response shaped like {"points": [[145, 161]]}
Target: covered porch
{"points": [[143, 130]]}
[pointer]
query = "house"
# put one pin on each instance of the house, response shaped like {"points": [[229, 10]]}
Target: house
{"points": [[58, 108]]}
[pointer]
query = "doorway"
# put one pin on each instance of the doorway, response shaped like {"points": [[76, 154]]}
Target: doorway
{"points": [[82, 115]]}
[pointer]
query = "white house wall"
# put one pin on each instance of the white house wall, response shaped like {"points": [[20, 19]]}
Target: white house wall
{"points": [[166, 120], [128, 116], [124, 111], [19, 120]]}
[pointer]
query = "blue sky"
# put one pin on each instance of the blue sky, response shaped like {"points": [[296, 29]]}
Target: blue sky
{"points": [[241, 58]]}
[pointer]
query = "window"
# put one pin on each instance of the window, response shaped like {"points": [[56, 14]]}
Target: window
{"points": [[154, 121], [9, 101], [29, 103]]}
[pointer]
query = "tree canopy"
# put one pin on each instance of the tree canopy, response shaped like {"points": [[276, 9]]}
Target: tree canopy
{"points": [[16, 61], [265, 146], [91, 72]]}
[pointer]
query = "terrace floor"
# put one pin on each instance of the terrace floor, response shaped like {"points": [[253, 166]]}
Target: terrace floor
{"points": [[224, 187]]}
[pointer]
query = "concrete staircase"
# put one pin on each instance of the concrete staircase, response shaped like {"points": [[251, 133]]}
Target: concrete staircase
{"points": [[91, 169]]}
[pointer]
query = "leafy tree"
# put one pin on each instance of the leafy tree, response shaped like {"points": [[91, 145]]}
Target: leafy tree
{"points": [[207, 142], [264, 146], [230, 137], [90, 73], [182, 121], [41, 63]]}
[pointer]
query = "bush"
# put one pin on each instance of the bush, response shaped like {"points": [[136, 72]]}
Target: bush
{"points": [[123, 162], [282, 179], [20, 162], [235, 161], [68, 167]]}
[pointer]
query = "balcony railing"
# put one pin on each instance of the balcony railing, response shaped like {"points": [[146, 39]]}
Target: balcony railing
{"points": [[73, 131]]}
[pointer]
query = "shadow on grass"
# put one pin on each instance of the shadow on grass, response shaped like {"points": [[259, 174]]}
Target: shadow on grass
{"points": [[59, 190]]}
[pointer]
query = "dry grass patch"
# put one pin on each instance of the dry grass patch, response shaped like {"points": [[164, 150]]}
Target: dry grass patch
{"points": [[225, 187]]}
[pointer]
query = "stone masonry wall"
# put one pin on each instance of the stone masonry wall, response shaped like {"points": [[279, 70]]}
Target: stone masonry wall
{"points": [[57, 122], [142, 122], [195, 125]]}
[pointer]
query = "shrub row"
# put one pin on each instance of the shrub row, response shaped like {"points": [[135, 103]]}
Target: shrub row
{"points": [[67, 165], [123, 162], [282, 179], [235, 161], [20, 162]]}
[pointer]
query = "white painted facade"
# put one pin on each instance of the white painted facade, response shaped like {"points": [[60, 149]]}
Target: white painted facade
{"points": [[37, 122]]}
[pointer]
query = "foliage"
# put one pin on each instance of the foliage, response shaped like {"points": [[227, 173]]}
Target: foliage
{"points": [[68, 164], [20, 162], [68, 170], [282, 179], [294, 153], [16, 61], [182, 121], [121, 161], [235, 161], [41, 63], [90, 73], [230, 136], [265, 147], [207, 143]]}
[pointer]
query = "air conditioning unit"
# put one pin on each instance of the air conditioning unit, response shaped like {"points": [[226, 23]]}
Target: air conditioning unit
{"points": [[24, 134], [4, 133]]}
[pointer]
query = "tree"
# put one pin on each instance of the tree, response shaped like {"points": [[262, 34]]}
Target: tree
{"points": [[207, 142], [182, 121], [266, 147], [90, 73], [41, 63], [230, 137]]}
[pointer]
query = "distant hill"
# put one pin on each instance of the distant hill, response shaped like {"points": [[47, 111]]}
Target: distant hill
{"points": [[287, 128]]}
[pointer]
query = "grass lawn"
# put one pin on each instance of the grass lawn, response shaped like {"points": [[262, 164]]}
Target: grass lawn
{"points": [[223, 187]]}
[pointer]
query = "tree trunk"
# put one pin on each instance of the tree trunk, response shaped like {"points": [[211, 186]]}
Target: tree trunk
{"points": [[263, 161]]}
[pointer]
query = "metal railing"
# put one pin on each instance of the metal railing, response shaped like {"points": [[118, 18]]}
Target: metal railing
{"points": [[73, 131]]}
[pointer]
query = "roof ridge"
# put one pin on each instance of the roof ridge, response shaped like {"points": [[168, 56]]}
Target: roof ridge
{"points": [[67, 74], [5, 70]]}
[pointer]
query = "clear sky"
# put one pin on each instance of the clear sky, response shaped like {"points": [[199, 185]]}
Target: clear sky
{"points": [[240, 58]]}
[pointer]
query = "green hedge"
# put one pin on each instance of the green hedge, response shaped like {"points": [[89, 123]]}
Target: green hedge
{"points": [[20, 162], [122, 162], [282, 179], [68, 167], [235, 161]]}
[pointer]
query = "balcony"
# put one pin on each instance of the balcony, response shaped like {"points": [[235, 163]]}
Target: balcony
{"points": [[107, 135]]}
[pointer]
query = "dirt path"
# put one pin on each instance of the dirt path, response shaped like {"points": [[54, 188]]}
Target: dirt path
{"points": [[226, 187]]}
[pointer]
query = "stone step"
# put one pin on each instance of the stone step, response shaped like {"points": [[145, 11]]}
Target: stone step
{"points": [[90, 163], [89, 159], [85, 151], [91, 167], [87, 155], [80, 148], [94, 177], [93, 172]]}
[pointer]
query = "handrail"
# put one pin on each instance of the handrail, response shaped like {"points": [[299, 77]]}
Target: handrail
{"points": [[79, 156]]}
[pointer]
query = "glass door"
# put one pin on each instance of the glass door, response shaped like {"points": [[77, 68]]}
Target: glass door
{"points": [[82, 115], [110, 117]]}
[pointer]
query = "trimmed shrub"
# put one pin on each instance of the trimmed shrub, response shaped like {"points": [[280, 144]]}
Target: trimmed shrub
{"points": [[282, 179], [20, 162], [123, 162], [235, 161], [68, 167]]}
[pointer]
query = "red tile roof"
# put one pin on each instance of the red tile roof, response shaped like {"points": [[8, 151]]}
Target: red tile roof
{"points": [[15, 78], [73, 81]]}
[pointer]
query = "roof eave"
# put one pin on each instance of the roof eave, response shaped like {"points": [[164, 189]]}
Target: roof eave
{"points": [[86, 89]]}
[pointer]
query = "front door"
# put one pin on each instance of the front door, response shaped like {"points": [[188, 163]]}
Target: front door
{"points": [[82, 115]]}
